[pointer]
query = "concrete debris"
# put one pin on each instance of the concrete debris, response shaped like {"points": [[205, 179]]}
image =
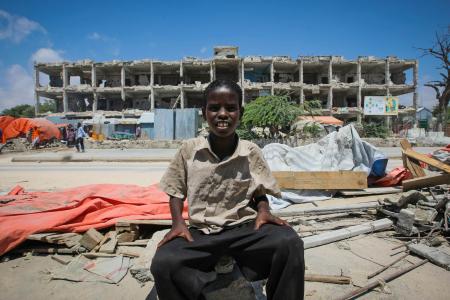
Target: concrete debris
{"points": [[141, 266], [434, 255], [403, 199]]}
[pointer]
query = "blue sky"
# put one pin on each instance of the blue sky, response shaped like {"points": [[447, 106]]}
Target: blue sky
{"points": [[126, 30]]}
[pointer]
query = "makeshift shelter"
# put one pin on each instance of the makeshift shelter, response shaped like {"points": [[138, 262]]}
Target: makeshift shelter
{"points": [[4, 121], [326, 120], [40, 127]]}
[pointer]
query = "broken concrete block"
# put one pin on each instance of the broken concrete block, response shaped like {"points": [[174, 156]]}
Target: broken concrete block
{"points": [[229, 286], [141, 267], [405, 222], [434, 255], [424, 215], [403, 199], [91, 239]]}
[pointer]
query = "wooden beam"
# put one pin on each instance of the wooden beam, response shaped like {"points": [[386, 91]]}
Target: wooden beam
{"points": [[428, 160], [328, 278], [411, 164], [321, 180], [421, 182], [341, 234]]}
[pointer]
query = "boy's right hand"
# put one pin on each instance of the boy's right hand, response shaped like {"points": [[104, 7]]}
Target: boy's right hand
{"points": [[178, 229]]}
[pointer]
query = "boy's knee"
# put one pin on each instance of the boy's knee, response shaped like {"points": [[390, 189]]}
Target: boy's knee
{"points": [[164, 263]]}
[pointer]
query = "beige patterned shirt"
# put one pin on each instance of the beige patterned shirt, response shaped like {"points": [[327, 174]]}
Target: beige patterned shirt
{"points": [[219, 192]]}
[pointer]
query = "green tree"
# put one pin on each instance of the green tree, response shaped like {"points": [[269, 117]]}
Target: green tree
{"points": [[20, 111], [48, 105], [274, 112]]}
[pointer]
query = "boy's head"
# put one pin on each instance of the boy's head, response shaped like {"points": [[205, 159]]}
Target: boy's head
{"points": [[222, 107]]}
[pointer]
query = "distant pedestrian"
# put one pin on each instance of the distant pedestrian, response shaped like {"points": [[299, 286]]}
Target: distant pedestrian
{"points": [[138, 132], [70, 137], [80, 135]]}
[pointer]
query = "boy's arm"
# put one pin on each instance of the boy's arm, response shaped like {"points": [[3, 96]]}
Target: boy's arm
{"points": [[264, 215], [179, 227]]}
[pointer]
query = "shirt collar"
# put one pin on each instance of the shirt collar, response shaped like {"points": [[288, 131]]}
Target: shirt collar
{"points": [[204, 144]]}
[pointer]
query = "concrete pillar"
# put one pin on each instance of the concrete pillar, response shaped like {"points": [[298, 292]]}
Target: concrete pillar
{"points": [[122, 82], [387, 75], [359, 92], [65, 76], [65, 102], [242, 74], [388, 118], [211, 71], [152, 74], [416, 84], [182, 98], [152, 99], [36, 78], [330, 70], [302, 96], [36, 95], [300, 71], [181, 72], [94, 76], [330, 99], [37, 103], [95, 103], [272, 72]]}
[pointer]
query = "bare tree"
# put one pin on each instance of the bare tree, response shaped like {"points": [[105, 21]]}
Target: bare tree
{"points": [[441, 50]]}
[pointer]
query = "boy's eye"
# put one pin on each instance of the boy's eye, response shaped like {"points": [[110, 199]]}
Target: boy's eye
{"points": [[213, 107], [231, 108]]}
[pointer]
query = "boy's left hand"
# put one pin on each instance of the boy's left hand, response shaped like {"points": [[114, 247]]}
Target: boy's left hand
{"points": [[264, 217]]}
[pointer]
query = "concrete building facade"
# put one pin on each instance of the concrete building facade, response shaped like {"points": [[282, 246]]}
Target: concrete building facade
{"points": [[86, 87]]}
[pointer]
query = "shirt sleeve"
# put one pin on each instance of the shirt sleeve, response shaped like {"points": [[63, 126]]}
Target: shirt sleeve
{"points": [[174, 180], [263, 181]]}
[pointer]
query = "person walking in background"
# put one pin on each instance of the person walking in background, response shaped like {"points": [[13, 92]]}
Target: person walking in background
{"points": [[80, 135], [138, 132]]}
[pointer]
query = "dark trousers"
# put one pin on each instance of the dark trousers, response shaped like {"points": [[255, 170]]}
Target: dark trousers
{"points": [[182, 269], [80, 144]]}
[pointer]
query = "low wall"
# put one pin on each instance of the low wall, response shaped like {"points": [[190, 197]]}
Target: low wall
{"points": [[132, 144]]}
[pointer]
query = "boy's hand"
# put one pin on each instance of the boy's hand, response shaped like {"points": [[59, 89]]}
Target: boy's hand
{"points": [[178, 229], [264, 217]]}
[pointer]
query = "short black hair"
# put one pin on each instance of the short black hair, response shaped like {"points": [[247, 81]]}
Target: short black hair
{"points": [[216, 84]]}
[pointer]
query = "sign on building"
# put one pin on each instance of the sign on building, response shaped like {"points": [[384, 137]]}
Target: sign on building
{"points": [[380, 106]]}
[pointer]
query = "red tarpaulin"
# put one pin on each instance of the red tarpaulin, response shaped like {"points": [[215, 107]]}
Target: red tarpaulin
{"points": [[43, 128], [77, 209], [4, 122]]}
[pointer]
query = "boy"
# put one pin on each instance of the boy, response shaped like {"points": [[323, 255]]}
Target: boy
{"points": [[225, 180]]}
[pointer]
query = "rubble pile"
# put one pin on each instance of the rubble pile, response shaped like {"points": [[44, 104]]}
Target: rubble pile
{"points": [[414, 214]]}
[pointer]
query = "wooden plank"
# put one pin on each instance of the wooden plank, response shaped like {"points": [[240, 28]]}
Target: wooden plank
{"points": [[428, 160], [411, 164], [328, 278], [321, 180], [341, 234], [373, 191], [421, 182]]}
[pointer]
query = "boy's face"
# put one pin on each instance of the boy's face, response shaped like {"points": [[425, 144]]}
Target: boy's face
{"points": [[222, 112]]}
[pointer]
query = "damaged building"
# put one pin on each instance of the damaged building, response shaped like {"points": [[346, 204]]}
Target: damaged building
{"points": [[86, 87]]}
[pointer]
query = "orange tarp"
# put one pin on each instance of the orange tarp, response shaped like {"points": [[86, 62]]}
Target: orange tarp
{"points": [[4, 121], [323, 120], [77, 209], [43, 128]]}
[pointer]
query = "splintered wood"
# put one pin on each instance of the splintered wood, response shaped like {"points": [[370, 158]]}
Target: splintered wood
{"points": [[321, 180]]}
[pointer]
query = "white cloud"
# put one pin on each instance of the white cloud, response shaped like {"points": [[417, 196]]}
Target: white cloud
{"points": [[111, 43], [96, 36], [18, 87], [17, 28], [47, 55]]}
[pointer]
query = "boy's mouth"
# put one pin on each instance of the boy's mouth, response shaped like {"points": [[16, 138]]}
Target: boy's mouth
{"points": [[222, 125]]}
